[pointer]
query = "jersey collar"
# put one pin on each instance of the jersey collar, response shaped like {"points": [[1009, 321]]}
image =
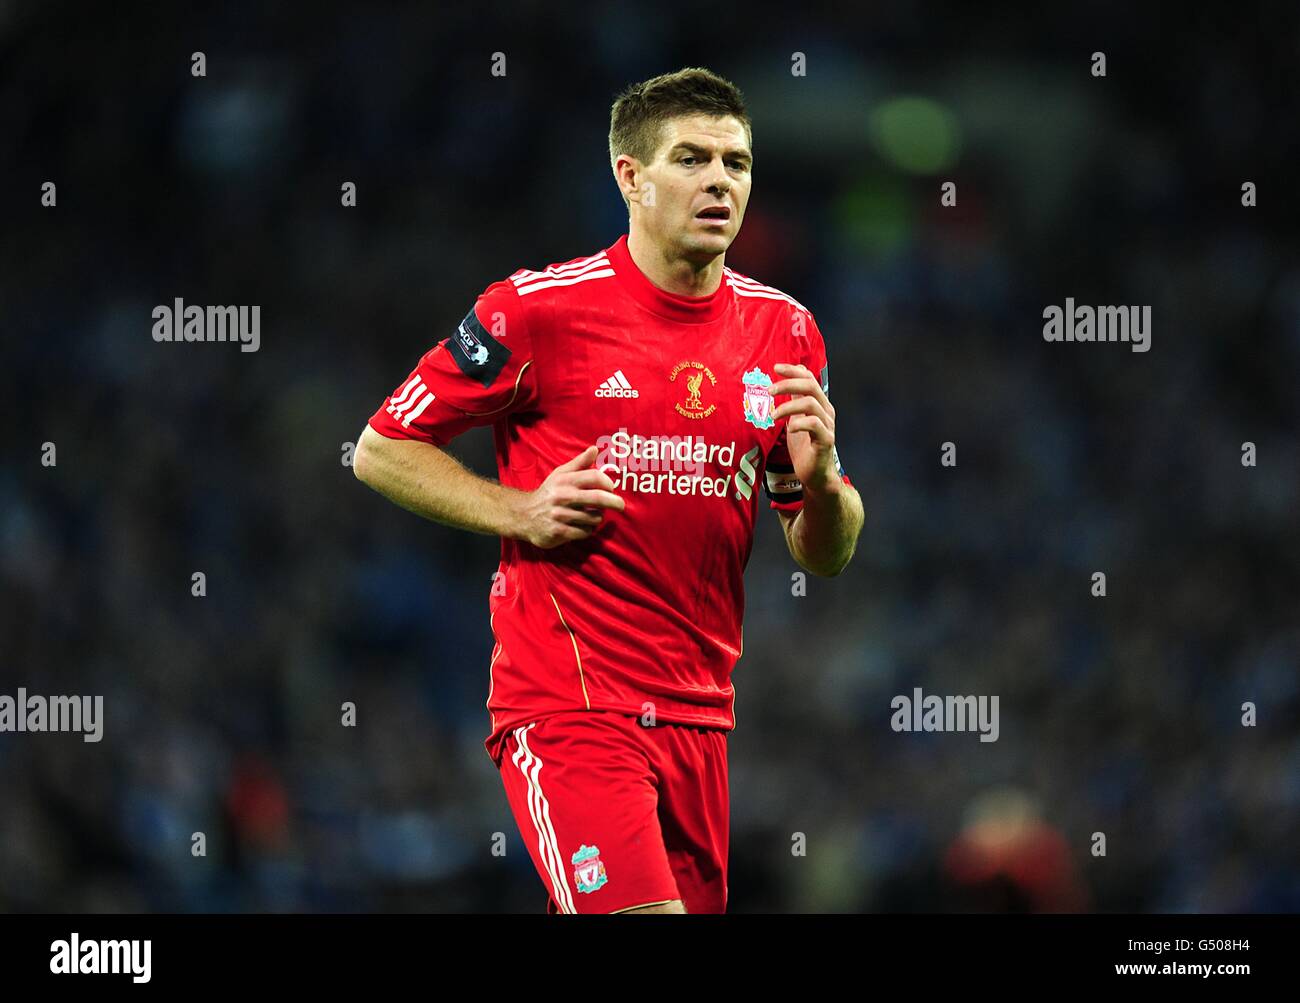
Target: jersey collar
{"points": [[685, 309]]}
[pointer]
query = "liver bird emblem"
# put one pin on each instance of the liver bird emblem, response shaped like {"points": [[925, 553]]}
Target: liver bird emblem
{"points": [[693, 389]]}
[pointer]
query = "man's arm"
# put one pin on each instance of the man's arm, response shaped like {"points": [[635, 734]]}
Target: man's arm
{"points": [[823, 535], [428, 481]]}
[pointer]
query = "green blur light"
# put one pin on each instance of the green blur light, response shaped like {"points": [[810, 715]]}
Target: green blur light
{"points": [[915, 134], [875, 216]]}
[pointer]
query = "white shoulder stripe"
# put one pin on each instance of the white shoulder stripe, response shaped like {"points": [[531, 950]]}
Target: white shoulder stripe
{"points": [[564, 271], [577, 263], [526, 275], [547, 283], [528, 278], [744, 280], [745, 286], [756, 294]]}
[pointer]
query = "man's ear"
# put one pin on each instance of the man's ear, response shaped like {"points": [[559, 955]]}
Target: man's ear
{"points": [[645, 189], [618, 180]]}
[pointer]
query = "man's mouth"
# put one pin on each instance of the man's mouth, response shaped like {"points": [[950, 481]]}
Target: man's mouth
{"points": [[715, 215]]}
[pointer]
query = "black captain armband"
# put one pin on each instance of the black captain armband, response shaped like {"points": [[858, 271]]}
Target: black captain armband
{"points": [[479, 355]]}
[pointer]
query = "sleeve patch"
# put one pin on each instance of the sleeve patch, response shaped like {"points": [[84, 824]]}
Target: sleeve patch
{"points": [[479, 355]]}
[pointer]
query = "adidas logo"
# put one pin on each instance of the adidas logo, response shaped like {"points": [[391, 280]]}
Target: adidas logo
{"points": [[616, 386]]}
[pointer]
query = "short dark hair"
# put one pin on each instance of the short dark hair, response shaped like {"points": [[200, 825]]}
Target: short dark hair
{"points": [[637, 119]]}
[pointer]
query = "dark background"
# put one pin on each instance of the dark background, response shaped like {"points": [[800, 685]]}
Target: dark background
{"points": [[1119, 715]]}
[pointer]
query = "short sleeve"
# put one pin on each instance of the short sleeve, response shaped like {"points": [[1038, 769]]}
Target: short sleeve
{"points": [[476, 376], [784, 489]]}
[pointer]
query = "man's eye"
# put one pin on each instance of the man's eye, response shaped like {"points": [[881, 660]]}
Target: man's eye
{"points": [[684, 159], [738, 165]]}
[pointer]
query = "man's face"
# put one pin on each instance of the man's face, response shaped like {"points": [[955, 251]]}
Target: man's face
{"points": [[701, 178]]}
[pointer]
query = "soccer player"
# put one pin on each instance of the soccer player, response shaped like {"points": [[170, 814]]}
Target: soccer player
{"points": [[641, 399]]}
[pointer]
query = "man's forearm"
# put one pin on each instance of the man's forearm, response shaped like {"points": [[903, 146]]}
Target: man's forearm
{"points": [[431, 483], [824, 534]]}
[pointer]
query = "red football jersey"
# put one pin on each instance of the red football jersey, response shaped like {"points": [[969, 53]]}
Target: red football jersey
{"points": [[646, 613]]}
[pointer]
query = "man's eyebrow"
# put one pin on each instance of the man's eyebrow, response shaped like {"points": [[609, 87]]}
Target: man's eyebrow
{"points": [[696, 148]]}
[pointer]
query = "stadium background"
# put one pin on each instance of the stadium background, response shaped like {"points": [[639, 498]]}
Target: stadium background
{"points": [[1118, 715]]}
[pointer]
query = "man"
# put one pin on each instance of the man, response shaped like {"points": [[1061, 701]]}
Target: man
{"points": [[638, 396]]}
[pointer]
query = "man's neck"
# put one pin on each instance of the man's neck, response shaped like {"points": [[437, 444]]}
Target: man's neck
{"points": [[674, 275]]}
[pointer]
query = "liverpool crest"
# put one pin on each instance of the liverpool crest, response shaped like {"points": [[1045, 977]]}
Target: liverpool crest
{"points": [[588, 868], [758, 398]]}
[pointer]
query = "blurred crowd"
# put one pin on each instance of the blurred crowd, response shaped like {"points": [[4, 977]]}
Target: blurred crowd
{"points": [[1121, 715]]}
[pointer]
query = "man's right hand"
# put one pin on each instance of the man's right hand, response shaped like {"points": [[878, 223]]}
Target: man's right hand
{"points": [[569, 505]]}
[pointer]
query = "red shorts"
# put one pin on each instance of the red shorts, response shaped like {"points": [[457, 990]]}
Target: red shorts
{"points": [[616, 815]]}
